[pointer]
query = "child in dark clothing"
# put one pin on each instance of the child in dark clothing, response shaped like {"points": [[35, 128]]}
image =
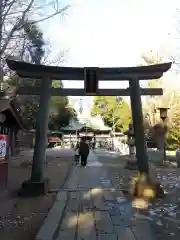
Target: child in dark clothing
{"points": [[83, 152], [77, 156]]}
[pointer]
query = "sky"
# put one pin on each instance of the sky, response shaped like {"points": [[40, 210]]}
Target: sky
{"points": [[114, 33]]}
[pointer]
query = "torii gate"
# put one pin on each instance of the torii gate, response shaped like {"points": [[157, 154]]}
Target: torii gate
{"points": [[90, 76]]}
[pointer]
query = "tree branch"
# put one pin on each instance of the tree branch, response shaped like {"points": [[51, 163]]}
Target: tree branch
{"points": [[7, 11], [50, 16], [21, 22], [16, 27]]}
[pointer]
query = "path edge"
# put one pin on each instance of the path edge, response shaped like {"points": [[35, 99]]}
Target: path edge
{"points": [[53, 220], [55, 215]]}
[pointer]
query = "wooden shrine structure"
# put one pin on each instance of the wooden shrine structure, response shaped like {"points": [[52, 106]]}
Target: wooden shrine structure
{"points": [[11, 121], [91, 77]]}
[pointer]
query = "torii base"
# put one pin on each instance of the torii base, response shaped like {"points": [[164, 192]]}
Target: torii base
{"points": [[144, 187], [34, 189], [131, 165]]}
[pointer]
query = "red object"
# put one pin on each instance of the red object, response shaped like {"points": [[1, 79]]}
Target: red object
{"points": [[3, 161], [2, 137], [53, 139]]}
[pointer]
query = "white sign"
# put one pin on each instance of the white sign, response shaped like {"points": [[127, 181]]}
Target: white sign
{"points": [[2, 148]]}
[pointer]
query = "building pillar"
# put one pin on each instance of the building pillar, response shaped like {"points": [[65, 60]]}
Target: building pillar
{"points": [[12, 142], [37, 184], [137, 115]]}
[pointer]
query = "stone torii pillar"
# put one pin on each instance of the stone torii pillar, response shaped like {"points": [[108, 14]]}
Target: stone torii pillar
{"points": [[41, 131], [137, 116], [37, 184]]}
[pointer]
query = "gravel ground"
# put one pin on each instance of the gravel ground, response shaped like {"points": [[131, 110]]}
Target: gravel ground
{"points": [[21, 218], [163, 215]]}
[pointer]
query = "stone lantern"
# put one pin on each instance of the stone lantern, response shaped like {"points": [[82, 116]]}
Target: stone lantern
{"points": [[163, 115], [131, 164]]}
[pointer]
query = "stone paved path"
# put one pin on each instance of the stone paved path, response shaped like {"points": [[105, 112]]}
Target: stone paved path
{"points": [[88, 207]]}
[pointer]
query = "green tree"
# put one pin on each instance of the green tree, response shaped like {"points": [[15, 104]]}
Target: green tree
{"points": [[173, 123], [33, 51], [62, 118], [60, 112], [35, 42], [110, 109]]}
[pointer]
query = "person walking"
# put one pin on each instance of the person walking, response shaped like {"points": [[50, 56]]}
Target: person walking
{"points": [[77, 156], [83, 151], [94, 144]]}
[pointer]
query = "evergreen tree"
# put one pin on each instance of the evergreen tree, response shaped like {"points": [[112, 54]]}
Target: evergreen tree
{"points": [[34, 51], [112, 111]]}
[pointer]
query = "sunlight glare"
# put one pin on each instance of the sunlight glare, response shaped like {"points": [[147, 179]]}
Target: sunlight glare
{"points": [[92, 192], [85, 220], [139, 203]]}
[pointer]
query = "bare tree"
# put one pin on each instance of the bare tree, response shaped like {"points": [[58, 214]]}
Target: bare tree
{"points": [[35, 49], [14, 15], [175, 36], [151, 103]]}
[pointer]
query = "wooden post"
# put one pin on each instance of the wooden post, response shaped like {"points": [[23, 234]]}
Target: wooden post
{"points": [[12, 142]]}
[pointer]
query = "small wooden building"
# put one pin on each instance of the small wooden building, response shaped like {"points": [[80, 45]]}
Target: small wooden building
{"points": [[90, 128], [87, 125], [11, 121]]}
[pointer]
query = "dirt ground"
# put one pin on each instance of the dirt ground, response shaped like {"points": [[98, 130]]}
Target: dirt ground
{"points": [[21, 218]]}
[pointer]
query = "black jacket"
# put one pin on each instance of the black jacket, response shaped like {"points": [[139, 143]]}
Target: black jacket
{"points": [[83, 148]]}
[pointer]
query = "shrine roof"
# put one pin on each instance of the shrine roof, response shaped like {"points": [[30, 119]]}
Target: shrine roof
{"points": [[16, 114], [25, 69], [92, 123]]}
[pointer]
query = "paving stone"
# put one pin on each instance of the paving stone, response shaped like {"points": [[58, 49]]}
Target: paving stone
{"points": [[66, 235], [51, 223], [61, 196], [116, 220], [69, 224], [73, 203], [119, 193], [96, 214], [86, 226], [85, 202], [124, 233], [69, 221], [106, 236], [103, 222], [108, 195], [74, 195], [74, 179], [142, 230], [98, 201], [114, 211]]}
